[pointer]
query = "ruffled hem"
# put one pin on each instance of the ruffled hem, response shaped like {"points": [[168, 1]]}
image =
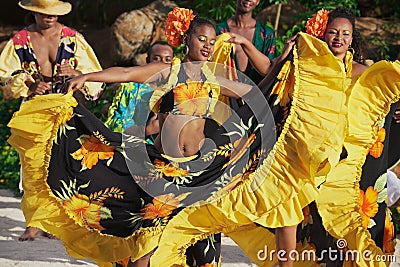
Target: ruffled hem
{"points": [[312, 135], [34, 128], [369, 103]]}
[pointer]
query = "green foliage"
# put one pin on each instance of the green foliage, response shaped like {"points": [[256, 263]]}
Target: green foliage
{"points": [[382, 45], [314, 5], [9, 159], [9, 169], [280, 40], [100, 106], [277, 2], [217, 10], [381, 48], [179, 51], [393, 11], [396, 218]]}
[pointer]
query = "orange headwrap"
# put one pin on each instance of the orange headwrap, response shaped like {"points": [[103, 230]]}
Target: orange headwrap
{"points": [[177, 24], [316, 25]]}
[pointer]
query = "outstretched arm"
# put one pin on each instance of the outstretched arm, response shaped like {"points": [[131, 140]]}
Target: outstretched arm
{"points": [[233, 89], [139, 74], [259, 61], [237, 89]]}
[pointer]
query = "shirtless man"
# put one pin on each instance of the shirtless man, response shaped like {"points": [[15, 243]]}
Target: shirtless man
{"points": [[48, 53]]}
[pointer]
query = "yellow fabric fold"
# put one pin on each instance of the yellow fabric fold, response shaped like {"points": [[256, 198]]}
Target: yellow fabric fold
{"points": [[9, 62], [369, 102], [261, 247], [313, 134], [87, 62], [33, 130], [222, 55]]}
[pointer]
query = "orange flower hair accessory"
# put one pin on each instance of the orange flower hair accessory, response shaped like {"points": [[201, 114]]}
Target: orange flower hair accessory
{"points": [[316, 25], [177, 24]]}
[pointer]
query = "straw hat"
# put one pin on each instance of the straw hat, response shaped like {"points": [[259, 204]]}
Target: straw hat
{"points": [[48, 7]]}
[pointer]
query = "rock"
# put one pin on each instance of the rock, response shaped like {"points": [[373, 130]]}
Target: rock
{"points": [[133, 32], [380, 34], [99, 40], [379, 28]]}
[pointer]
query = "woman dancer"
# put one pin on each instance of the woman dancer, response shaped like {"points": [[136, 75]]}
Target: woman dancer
{"points": [[264, 188], [120, 211], [298, 167]]}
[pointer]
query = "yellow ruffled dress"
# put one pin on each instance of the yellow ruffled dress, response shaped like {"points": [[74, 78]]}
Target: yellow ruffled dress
{"points": [[339, 203], [323, 115], [273, 196]]}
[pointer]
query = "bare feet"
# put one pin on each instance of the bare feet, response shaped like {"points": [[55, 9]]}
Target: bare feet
{"points": [[29, 234], [49, 236], [142, 262]]}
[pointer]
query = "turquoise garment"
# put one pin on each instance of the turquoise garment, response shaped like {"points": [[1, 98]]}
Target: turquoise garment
{"points": [[130, 106], [264, 40]]}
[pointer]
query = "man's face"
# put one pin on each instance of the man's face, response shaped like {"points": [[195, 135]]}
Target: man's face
{"points": [[246, 6], [161, 53], [45, 21]]}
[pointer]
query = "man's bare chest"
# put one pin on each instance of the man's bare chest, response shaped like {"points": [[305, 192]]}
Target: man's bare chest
{"points": [[247, 32]]}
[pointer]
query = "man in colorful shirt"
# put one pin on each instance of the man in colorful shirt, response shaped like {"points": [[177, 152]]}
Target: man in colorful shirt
{"points": [[130, 111], [40, 58], [255, 42]]}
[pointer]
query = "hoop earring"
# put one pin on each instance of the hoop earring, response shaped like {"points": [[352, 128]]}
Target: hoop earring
{"points": [[186, 50], [351, 49]]}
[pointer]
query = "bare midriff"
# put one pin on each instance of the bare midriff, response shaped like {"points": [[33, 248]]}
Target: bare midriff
{"points": [[180, 135]]}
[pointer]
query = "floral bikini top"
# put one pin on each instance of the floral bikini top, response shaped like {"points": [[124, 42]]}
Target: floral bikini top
{"points": [[182, 96]]}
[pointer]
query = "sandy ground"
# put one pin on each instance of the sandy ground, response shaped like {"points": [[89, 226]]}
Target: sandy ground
{"points": [[44, 252]]}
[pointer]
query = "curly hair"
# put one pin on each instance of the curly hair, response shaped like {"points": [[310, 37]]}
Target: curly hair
{"points": [[358, 44]]}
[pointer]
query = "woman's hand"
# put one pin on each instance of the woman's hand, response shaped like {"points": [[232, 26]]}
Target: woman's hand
{"points": [[66, 70], [76, 83], [236, 39], [39, 87], [278, 62], [288, 47], [258, 60]]}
